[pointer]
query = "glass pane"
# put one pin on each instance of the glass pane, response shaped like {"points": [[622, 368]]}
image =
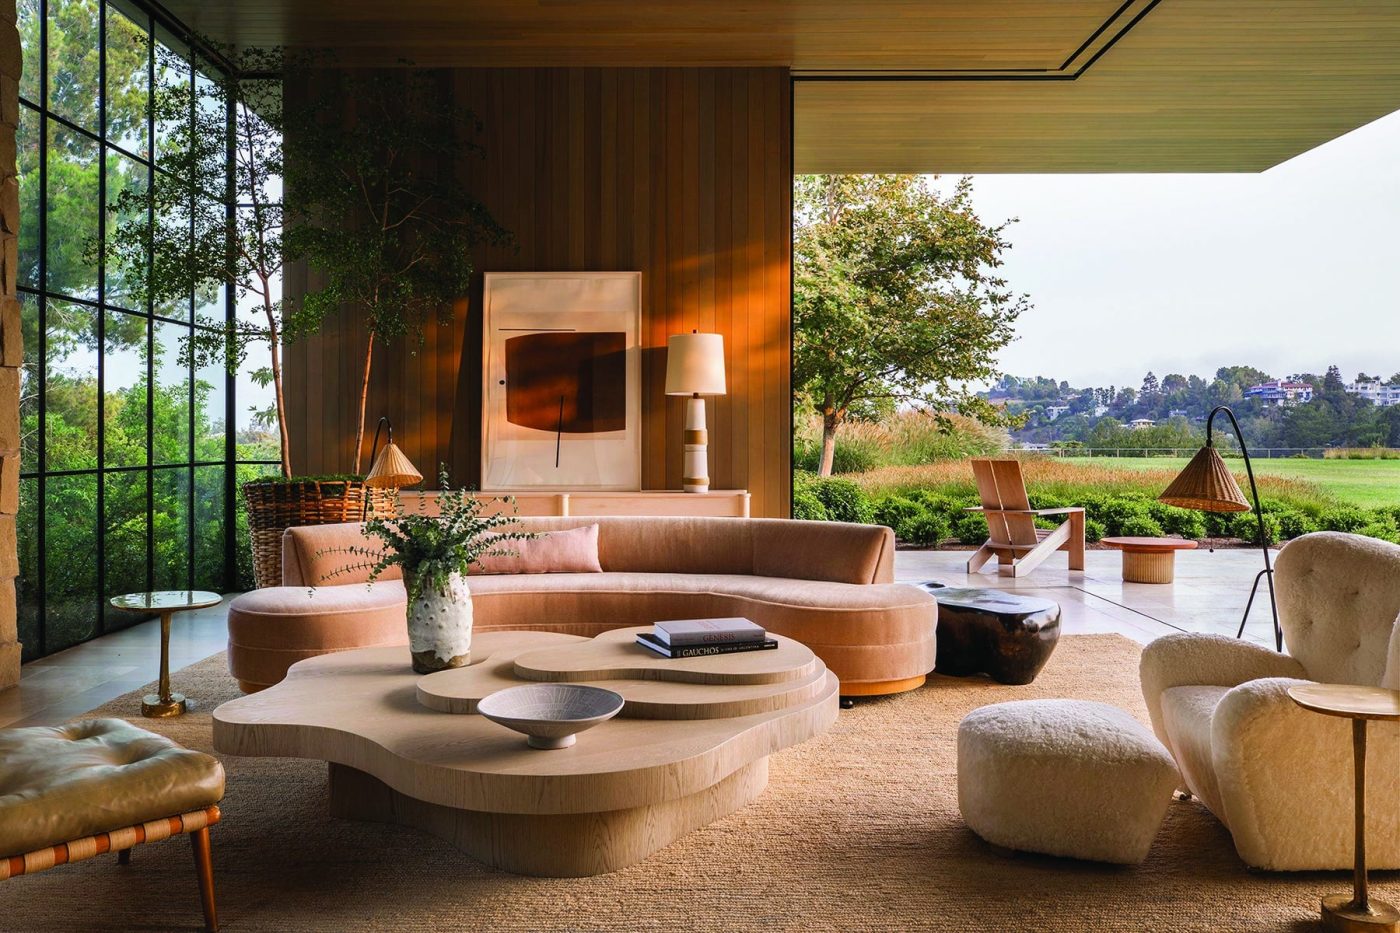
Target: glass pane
{"points": [[74, 59], [256, 410], [73, 200], [27, 584], [27, 168], [29, 40], [29, 384], [242, 545], [70, 393], [128, 82], [209, 529], [173, 94], [70, 565], [124, 382], [211, 392], [171, 399], [125, 523], [123, 175], [264, 98], [170, 519]]}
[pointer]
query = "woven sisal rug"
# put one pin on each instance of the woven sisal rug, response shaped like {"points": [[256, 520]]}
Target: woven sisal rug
{"points": [[858, 830]]}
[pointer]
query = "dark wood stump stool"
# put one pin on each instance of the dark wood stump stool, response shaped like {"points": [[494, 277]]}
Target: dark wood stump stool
{"points": [[1004, 635]]}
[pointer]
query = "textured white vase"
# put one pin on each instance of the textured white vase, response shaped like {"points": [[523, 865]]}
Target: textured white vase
{"points": [[440, 626]]}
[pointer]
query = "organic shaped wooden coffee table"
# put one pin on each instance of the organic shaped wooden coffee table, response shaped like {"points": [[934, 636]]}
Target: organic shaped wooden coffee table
{"points": [[690, 745]]}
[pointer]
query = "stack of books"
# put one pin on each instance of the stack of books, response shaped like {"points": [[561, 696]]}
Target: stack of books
{"points": [[693, 638]]}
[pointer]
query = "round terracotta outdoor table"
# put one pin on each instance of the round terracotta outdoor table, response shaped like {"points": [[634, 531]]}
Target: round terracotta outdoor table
{"points": [[165, 603], [1149, 560], [1357, 912]]}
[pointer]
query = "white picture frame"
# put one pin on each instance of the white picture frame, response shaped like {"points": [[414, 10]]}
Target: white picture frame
{"points": [[573, 335]]}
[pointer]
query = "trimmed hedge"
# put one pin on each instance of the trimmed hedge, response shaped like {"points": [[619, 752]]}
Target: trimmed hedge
{"points": [[928, 517]]}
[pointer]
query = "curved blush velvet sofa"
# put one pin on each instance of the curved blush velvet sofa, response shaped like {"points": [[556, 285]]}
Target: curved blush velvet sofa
{"points": [[826, 584]]}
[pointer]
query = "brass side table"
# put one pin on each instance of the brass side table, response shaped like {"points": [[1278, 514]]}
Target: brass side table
{"points": [[1360, 705], [164, 603]]}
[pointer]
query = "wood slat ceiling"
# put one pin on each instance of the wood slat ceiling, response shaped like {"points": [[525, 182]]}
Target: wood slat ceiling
{"points": [[1008, 85]]}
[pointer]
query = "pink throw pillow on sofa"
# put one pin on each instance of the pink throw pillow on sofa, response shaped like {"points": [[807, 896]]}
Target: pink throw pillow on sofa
{"points": [[572, 551]]}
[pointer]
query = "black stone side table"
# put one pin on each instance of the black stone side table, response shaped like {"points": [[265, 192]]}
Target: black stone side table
{"points": [[1002, 634]]}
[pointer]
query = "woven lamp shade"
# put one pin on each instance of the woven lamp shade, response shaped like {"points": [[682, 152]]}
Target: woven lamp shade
{"points": [[1206, 485], [392, 468]]}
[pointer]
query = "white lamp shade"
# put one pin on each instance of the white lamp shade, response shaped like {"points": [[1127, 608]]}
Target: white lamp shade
{"points": [[695, 364]]}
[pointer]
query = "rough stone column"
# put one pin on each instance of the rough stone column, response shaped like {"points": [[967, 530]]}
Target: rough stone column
{"points": [[11, 343]]}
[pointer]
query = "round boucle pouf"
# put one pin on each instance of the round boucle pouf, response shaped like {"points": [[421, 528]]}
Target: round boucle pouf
{"points": [[1063, 777]]}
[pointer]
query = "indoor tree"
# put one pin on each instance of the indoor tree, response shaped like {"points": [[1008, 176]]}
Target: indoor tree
{"points": [[213, 215], [895, 298], [379, 215]]}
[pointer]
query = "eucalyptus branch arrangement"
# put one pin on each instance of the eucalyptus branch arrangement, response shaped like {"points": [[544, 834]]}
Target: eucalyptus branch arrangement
{"points": [[429, 549]]}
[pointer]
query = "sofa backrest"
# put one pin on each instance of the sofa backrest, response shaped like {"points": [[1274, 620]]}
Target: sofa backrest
{"points": [[770, 547], [1338, 597]]}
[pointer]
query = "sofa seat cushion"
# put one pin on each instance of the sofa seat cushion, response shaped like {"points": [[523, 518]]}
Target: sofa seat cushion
{"points": [[61, 783], [271, 629], [1187, 713]]}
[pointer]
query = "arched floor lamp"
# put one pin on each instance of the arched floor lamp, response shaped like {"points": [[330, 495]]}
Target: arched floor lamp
{"points": [[389, 468], [1207, 485]]}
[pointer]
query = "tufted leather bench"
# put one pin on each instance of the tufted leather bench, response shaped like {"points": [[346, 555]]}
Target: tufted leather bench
{"points": [[76, 791]]}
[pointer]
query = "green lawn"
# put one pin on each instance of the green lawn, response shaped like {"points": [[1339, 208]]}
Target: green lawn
{"points": [[1365, 483]]}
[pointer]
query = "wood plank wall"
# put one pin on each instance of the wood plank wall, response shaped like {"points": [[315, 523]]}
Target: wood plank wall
{"points": [[683, 174]]}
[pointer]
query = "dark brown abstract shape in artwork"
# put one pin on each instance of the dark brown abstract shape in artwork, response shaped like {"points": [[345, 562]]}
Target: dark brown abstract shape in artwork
{"points": [[586, 371]]}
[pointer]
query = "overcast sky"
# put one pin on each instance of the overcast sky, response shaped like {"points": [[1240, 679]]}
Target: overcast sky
{"points": [[1288, 270]]}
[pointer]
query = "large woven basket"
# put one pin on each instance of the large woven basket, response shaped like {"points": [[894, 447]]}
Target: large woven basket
{"points": [[273, 507]]}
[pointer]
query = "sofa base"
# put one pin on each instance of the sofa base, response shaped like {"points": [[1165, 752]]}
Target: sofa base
{"points": [[877, 688]]}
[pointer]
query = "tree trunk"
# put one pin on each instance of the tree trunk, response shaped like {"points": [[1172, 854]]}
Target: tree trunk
{"points": [[275, 345], [364, 398], [829, 425]]}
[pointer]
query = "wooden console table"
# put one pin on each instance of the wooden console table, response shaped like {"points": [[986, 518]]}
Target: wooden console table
{"points": [[725, 503]]}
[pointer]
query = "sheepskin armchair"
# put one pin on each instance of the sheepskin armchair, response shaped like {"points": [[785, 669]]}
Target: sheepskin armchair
{"points": [[1278, 776]]}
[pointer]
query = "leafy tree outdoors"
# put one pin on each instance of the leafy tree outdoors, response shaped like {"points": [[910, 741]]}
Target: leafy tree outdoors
{"points": [[205, 223], [384, 227], [895, 298]]}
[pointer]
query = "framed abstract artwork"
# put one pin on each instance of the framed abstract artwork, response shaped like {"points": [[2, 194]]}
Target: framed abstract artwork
{"points": [[561, 366]]}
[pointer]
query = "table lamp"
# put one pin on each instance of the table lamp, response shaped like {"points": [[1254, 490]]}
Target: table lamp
{"points": [[695, 368], [1207, 485]]}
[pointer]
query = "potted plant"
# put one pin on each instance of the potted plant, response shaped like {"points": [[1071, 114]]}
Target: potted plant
{"points": [[435, 553], [384, 227]]}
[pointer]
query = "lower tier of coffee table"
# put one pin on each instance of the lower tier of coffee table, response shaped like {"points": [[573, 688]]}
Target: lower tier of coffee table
{"points": [[566, 845]]}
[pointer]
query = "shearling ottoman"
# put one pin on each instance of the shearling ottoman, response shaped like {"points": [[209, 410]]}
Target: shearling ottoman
{"points": [[1063, 777]]}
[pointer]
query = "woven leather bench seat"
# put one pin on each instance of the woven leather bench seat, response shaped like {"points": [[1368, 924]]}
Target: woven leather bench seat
{"points": [[59, 783]]}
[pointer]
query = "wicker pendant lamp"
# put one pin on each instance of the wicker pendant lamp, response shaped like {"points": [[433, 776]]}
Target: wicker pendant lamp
{"points": [[1207, 485], [392, 468]]}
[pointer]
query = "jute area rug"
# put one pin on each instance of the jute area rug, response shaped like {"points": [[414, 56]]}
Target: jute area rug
{"points": [[858, 830]]}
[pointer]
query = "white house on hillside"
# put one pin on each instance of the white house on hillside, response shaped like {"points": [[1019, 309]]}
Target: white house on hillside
{"points": [[1376, 391]]}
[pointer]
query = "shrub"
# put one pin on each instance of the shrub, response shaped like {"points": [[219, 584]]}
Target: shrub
{"points": [[1176, 521], [1140, 525], [844, 500], [1343, 518], [1383, 527], [1245, 526], [925, 528], [1293, 523], [806, 505], [969, 528], [853, 457], [1093, 530], [893, 511]]}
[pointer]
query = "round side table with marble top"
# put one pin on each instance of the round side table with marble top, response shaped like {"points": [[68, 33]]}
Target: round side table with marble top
{"points": [[164, 603], [1359, 911]]}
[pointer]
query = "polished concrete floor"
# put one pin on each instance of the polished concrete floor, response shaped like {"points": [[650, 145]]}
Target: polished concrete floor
{"points": [[1208, 595]]}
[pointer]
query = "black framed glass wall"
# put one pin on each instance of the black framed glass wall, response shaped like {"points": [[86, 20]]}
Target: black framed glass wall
{"points": [[129, 453]]}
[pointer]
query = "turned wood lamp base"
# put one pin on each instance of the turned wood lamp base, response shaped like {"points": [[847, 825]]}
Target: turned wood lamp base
{"points": [[1341, 913]]}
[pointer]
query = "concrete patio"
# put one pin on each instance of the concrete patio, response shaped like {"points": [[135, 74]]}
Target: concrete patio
{"points": [[1208, 595]]}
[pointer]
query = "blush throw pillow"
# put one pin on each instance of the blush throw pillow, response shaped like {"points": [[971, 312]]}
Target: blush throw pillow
{"points": [[572, 551]]}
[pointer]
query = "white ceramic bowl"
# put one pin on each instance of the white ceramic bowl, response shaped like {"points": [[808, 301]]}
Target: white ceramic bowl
{"points": [[550, 715]]}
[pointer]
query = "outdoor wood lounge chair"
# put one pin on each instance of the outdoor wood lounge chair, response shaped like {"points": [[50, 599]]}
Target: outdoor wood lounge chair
{"points": [[1017, 544]]}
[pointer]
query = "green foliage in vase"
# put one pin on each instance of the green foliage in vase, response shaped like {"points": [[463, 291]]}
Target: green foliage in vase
{"points": [[896, 299], [429, 549]]}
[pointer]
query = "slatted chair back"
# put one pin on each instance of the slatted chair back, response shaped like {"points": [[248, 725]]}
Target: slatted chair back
{"points": [[1004, 499]]}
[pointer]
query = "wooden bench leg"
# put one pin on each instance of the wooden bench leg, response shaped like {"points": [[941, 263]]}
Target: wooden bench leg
{"points": [[204, 866], [124, 857]]}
